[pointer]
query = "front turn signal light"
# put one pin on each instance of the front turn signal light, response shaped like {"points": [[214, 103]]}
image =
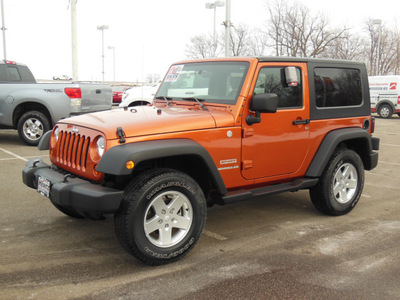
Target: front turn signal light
{"points": [[130, 164]]}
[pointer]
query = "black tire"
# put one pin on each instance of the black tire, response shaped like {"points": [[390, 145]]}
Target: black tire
{"points": [[31, 127], [385, 111], [398, 114], [161, 217], [341, 184]]}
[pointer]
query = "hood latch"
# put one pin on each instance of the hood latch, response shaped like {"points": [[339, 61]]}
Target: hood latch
{"points": [[121, 134]]}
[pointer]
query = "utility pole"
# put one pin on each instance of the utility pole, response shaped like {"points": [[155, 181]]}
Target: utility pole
{"points": [[3, 28], [74, 41]]}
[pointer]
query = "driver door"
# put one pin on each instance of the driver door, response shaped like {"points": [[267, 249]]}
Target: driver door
{"points": [[277, 146]]}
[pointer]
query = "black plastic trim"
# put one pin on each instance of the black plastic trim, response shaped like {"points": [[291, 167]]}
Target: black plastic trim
{"points": [[330, 143], [78, 193], [114, 160], [44, 143], [240, 195]]}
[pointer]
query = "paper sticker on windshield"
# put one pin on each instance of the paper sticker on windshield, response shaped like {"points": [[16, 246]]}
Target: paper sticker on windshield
{"points": [[173, 73]]}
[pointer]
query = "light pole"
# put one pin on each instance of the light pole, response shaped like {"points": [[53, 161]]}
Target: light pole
{"points": [[228, 25], [102, 27], [3, 28], [74, 41], [113, 49], [379, 23], [214, 6]]}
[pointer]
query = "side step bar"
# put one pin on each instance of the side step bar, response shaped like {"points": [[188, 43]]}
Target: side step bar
{"points": [[240, 195]]}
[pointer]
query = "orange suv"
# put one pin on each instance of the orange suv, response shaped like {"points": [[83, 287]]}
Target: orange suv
{"points": [[218, 131]]}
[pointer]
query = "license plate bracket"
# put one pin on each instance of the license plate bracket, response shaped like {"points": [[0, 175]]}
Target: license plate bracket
{"points": [[43, 186]]}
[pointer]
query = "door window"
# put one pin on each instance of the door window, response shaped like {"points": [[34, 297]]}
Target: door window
{"points": [[272, 80]]}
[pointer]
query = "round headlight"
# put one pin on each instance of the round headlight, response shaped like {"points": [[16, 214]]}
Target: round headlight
{"points": [[57, 133], [101, 144]]}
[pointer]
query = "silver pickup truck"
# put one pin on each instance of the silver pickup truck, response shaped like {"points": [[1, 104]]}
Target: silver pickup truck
{"points": [[33, 108]]}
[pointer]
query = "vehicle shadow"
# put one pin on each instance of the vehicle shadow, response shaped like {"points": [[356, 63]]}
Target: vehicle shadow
{"points": [[10, 137]]}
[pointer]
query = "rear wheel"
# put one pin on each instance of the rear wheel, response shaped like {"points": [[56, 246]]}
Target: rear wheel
{"points": [[341, 184], [31, 127], [162, 216], [385, 111]]}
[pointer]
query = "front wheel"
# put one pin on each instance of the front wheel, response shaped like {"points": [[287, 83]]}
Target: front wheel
{"points": [[341, 184], [162, 216], [31, 127]]}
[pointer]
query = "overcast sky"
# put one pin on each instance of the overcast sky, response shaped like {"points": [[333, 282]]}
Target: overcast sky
{"points": [[148, 35]]}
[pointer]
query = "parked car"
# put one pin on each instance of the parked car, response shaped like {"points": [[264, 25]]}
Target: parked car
{"points": [[139, 95], [62, 77], [117, 92], [385, 95], [33, 108]]}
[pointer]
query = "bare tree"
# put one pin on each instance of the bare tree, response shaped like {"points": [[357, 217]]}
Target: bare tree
{"points": [[295, 32], [276, 12], [240, 38], [258, 43], [383, 50], [244, 42], [201, 46], [349, 47]]}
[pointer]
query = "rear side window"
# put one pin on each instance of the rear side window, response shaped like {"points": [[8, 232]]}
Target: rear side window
{"points": [[13, 74], [337, 87], [16, 74], [26, 74]]}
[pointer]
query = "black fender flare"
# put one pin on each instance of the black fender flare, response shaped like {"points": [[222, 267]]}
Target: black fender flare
{"points": [[114, 160], [384, 101], [331, 142]]}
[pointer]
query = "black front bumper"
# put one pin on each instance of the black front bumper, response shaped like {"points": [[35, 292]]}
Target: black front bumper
{"points": [[67, 191]]}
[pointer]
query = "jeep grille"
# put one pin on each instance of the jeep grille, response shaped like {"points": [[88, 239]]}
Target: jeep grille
{"points": [[73, 150]]}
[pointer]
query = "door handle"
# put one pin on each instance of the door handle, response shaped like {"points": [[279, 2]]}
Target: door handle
{"points": [[300, 122]]}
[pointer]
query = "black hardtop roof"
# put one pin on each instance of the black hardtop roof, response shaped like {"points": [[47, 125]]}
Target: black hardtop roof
{"points": [[307, 60]]}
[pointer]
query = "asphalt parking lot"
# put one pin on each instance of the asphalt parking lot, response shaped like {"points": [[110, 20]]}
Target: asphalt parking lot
{"points": [[275, 247]]}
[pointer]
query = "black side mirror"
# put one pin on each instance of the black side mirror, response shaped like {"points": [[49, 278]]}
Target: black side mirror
{"points": [[262, 103]]}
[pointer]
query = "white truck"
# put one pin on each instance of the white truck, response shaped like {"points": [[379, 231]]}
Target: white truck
{"points": [[385, 95], [33, 108]]}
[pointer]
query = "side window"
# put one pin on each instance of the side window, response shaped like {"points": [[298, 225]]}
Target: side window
{"points": [[335, 87], [13, 74], [272, 80], [3, 73]]}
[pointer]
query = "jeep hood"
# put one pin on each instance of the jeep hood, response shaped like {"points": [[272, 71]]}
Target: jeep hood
{"points": [[147, 120]]}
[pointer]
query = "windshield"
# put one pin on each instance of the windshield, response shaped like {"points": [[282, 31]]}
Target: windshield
{"points": [[218, 82]]}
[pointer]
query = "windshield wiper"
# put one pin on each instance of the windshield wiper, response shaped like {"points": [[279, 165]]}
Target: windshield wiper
{"points": [[197, 100], [164, 98]]}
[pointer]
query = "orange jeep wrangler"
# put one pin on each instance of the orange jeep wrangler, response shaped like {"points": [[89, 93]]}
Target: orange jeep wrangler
{"points": [[218, 131]]}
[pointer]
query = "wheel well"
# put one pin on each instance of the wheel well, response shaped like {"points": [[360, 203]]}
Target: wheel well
{"points": [[192, 165], [138, 103], [30, 106], [356, 139], [360, 146], [382, 102]]}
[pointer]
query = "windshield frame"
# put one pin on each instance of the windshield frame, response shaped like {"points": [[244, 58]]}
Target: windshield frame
{"points": [[215, 77]]}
